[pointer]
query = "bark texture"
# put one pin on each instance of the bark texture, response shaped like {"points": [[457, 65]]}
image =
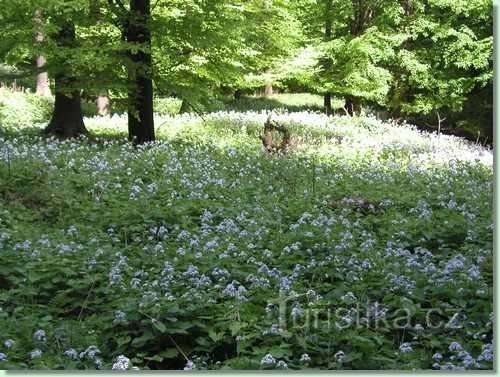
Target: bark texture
{"points": [[67, 118], [42, 77], [140, 109]]}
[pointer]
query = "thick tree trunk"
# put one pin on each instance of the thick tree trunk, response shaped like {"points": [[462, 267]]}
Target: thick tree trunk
{"points": [[67, 118], [140, 111], [42, 77]]}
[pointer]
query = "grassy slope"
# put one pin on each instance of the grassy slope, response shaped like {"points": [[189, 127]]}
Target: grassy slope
{"points": [[168, 234]]}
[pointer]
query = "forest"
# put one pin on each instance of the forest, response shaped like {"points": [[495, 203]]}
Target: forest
{"points": [[246, 185]]}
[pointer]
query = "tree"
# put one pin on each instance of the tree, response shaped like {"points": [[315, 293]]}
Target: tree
{"points": [[102, 102], [205, 49], [327, 97], [446, 58], [140, 96], [42, 77], [67, 118], [135, 24]]}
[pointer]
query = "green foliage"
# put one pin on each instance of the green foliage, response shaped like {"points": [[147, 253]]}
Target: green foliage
{"points": [[288, 101], [134, 250], [166, 106], [18, 109]]}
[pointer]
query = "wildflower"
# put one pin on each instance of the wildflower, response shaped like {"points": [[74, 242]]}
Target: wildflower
{"points": [[274, 329], [120, 318], [405, 348], [36, 353], [190, 365], [340, 356], [71, 353], [268, 360], [305, 358], [3, 357], [418, 328], [437, 356], [468, 361], [486, 353], [90, 352], [349, 298], [455, 347], [296, 312], [40, 335], [9, 343], [474, 273], [233, 291], [281, 365], [121, 363]]}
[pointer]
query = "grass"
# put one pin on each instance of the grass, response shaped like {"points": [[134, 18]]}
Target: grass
{"points": [[288, 101], [177, 254]]}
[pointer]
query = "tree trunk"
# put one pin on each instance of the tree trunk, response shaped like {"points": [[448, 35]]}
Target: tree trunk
{"points": [[67, 118], [102, 102], [95, 10], [42, 77], [103, 105], [268, 88], [352, 105], [140, 96], [184, 107], [327, 98]]}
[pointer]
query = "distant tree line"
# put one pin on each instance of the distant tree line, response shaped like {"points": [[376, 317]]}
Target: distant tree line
{"points": [[429, 61]]}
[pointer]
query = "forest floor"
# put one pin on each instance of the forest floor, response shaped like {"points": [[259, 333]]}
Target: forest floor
{"points": [[366, 246]]}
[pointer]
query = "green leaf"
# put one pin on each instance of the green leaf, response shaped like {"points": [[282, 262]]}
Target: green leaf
{"points": [[160, 326]]}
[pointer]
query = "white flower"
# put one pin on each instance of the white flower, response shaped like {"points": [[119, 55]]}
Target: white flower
{"points": [[90, 352], [437, 356], [305, 358], [3, 357], [281, 365], [296, 312], [268, 360], [405, 348], [9, 343], [487, 353], [190, 365], [455, 347], [71, 353], [120, 317], [121, 363], [340, 356], [40, 335], [36, 353]]}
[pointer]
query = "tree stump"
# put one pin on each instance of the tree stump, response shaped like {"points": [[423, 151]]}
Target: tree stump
{"points": [[267, 138]]}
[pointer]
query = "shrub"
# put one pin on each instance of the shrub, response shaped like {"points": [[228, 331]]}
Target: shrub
{"points": [[166, 106], [20, 109]]}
